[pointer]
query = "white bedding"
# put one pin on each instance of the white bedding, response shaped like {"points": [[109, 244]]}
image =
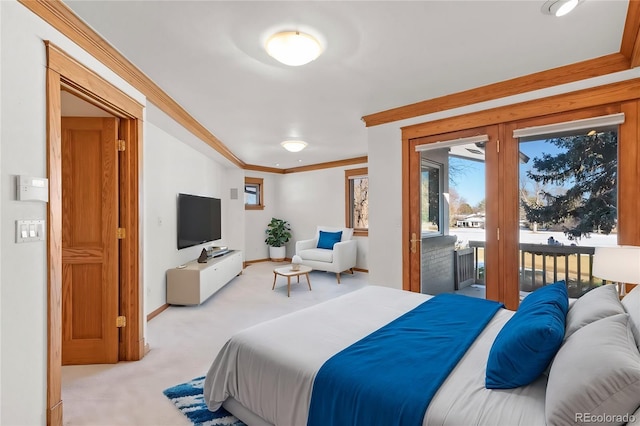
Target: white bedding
{"points": [[269, 368]]}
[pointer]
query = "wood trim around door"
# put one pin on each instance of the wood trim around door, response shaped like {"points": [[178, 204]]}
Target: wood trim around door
{"points": [[54, 251], [503, 181], [63, 70], [500, 212], [132, 343]]}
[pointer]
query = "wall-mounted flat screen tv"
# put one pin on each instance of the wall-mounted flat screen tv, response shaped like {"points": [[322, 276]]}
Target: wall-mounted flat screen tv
{"points": [[199, 220]]}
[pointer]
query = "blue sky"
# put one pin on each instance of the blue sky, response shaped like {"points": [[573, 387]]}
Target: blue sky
{"points": [[469, 181]]}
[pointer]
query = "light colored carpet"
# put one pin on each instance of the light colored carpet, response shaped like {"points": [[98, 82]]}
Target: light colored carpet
{"points": [[184, 341]]}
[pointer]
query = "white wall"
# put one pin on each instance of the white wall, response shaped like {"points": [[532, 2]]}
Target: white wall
{"points": [[309, 199], [23, 273], [171, 167], [256, 221], [305, 200], [1, 232], [385, 205]]}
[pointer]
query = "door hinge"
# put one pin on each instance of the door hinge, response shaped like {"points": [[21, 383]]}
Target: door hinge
{"points": [[498, 145], [121, 144], [121, 321], [121, 233]]}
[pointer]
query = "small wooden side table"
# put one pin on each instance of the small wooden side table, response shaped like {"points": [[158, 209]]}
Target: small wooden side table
{"points": [[286, 271]]}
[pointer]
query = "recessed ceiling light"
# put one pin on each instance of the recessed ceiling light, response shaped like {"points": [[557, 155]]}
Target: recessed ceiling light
{"points": [[294, 146], [559, 7], [293, 48]]}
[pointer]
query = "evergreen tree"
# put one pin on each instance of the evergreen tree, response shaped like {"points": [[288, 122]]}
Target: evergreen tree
{"points": [[588, 168]]}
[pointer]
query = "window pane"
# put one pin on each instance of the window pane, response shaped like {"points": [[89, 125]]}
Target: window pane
{"points": [[568, 206], [360, 202], [251, 194], [430, 197]]}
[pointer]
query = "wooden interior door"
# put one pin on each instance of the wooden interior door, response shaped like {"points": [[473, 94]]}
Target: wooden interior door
{"points": [[89, 240]]}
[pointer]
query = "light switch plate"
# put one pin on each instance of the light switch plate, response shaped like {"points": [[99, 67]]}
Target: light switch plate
{"points": [[29, 231]]}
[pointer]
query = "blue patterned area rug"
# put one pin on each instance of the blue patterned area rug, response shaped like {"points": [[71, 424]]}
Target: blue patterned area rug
{"points": [[188, 398]]}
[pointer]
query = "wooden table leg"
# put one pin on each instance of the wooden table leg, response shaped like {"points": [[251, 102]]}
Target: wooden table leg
{"points": [[298, 277], [308, 282], [288, 285], [274, 280]]}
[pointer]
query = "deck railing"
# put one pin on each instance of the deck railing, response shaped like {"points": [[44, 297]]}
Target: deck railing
{"points": [[542, 264]]}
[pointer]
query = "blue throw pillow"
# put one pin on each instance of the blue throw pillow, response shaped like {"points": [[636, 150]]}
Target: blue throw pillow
{"points": [[528, 342], [552, 293], [328, 239]]}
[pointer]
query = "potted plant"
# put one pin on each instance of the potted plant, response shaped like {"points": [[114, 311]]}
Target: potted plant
{"points": [[278, 234]]}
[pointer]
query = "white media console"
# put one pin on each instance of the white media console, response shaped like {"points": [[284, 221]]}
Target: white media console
{"points": [[195, 282]]}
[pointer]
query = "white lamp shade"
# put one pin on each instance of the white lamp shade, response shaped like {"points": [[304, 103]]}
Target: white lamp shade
{"points": [[293, 48], [294, 146], [296, 259], [618, 264]]}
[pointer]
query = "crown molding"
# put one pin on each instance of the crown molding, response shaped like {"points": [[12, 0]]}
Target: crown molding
{"points": [[627, 58], [60, 17], [630, 46], [328, 165], [541, 80]]}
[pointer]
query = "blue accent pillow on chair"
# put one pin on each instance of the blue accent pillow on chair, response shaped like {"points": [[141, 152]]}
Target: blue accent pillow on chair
{"points": [[529, 340], [326, 240]]}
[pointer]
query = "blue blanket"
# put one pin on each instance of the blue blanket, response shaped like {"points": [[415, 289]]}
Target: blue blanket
{"points": [[389, 377]]}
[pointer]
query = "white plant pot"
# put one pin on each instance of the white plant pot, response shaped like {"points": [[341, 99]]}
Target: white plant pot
{"points": [[277, 254]]}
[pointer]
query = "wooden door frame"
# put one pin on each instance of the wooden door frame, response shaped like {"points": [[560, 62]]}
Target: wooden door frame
{"points": [[601, 100], [64, 72], [411, 163]]}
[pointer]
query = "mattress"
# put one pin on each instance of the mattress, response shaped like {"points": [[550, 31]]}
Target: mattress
{"points": [[269, 369]]}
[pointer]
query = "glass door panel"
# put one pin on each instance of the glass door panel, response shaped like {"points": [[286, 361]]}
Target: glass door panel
{"points": [[568, 206], [452, 218]]}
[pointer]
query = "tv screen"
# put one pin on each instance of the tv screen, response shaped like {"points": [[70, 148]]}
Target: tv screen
{"points": [[199, 220]]}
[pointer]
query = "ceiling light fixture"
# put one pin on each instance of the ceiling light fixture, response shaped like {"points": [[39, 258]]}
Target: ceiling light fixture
{"points": [[294, 146], [559, 7], [293, 48]]}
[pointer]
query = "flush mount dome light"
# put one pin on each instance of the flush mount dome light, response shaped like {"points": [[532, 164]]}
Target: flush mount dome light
{"points": [[293, 48], [294, 146], [559, 7]]}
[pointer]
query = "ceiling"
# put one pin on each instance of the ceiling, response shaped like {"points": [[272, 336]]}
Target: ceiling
{"points": [[209, 57]]}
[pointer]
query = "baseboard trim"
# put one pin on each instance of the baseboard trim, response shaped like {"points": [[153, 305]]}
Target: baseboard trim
{"points": [[251, 262], [288, 259], [157, 312]]}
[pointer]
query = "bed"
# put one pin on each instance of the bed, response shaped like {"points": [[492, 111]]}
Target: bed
{"points": [[265, 374]]}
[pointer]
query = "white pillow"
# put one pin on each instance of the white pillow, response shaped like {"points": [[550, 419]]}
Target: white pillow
{"points": [[347, 233], [601, 302], [631, 303], [596, 373]]}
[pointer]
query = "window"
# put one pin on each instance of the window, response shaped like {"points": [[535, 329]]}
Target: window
{"points": [[357, 200], [430, 195], [253, 194]]}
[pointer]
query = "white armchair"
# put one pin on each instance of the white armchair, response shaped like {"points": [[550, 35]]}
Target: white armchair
{"points": [[341, 259]]}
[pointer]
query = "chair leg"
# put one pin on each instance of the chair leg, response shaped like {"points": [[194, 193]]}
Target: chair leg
{"points": [[338, 277]]}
